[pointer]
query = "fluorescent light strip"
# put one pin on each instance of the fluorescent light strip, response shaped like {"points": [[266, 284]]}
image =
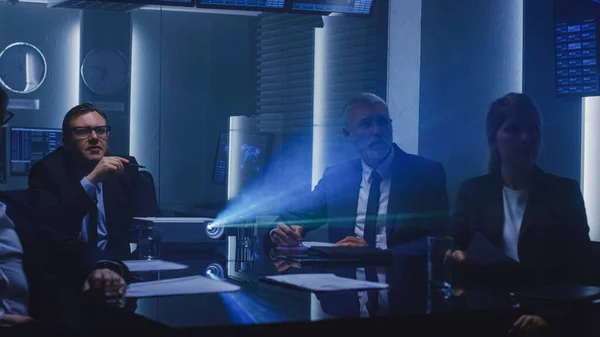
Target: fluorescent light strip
{"points": [[319, 128], [590, 180], [73, 60], [135, 93]]}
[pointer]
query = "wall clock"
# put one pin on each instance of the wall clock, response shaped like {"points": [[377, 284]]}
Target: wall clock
{"points": [[105, 71], [23, 68]]}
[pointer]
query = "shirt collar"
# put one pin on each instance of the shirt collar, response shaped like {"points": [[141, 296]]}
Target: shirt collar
{"points": [[383, 169]]}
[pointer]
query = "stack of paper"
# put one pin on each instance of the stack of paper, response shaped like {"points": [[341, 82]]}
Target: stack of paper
{"points": [[179, 286], [324, 282], [152, 265]]}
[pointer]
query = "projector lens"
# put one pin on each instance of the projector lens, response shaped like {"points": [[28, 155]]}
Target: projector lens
{"points": [[214, 231], [215, 271]]}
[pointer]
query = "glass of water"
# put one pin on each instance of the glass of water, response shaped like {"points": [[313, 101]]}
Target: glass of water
{"points": [[149, 242], [439, 264]]}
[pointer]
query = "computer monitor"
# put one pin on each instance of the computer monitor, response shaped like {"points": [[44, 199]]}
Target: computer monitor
{"points": [[577, 31], [28, 145], [3, 171], [255, 151], [221, 160], [362, 7], [262, 5]]}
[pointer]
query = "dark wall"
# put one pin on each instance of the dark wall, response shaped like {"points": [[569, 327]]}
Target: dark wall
{"points": [[561, 150], [109, 30], [56, 33], [205, 70], [471, 54]]}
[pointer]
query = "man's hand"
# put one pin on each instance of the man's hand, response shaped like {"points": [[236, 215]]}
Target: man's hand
{"points": [[459, 256], [106, 283], [528, 324], [10, 320], [282, 265], [106, 166], [351, 241], [286, 236]]}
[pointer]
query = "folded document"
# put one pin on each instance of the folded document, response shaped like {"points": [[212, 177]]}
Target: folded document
{"points": [[179, 286], [324, 282], [152, 265]]}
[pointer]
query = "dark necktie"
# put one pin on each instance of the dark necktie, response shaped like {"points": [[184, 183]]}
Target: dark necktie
{"points": [[370, 235], [92, 224]]}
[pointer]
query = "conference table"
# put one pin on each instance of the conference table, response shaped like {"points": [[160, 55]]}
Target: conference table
{"points": [[410, 299]]}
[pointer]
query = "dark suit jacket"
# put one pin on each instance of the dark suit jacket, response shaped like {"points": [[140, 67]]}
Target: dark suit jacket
{"points": [[553, 239], [417, 206], [56, 193], [50, 261]]}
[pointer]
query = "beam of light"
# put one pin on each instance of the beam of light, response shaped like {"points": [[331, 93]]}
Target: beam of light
{"points": [[590, 177], [332, 222], [236, 310], [319, 129]]}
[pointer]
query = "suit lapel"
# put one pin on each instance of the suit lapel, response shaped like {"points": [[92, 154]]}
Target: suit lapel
{"points": [[349, 188], [399, 188], [493, 208]]}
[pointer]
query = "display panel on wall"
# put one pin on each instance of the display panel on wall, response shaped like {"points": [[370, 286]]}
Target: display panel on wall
{"points": [[262, 5], [362, 7], [23, 68], [577, 47]]}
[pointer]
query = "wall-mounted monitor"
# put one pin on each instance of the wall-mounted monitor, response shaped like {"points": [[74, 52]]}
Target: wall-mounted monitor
{"points": [[361, 7], [577, 53], [221, 160], [28, 145], [260, 5]]}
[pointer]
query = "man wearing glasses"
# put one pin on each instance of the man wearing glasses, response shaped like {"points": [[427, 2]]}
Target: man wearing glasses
{"points": [[87, 193]]}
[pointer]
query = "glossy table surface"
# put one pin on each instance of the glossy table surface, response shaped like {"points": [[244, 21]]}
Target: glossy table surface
{"points": [[259, 302]]}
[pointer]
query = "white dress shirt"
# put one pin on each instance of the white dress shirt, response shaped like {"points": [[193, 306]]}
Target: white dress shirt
{"points": [[514, 209], [381, 237], [14, 291]]}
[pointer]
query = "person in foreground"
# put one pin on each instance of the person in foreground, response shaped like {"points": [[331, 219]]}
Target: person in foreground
{"points": [[536, 218], [385, 198], [38, 265], [87, 193]]}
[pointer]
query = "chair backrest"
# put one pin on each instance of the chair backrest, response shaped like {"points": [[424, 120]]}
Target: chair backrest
{"points": [[148, 181], [20, 196]]}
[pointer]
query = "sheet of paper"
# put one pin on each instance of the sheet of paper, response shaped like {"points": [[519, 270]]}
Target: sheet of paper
{"points": [[316, 244], [152, 265], [305, 245], [325, 282], [179, 286]]}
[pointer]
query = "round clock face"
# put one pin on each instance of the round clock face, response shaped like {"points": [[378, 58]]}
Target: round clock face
{"points": [[22, 68], [105, 71]]}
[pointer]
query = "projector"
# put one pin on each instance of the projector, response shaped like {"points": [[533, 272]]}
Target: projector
{"points": [[185, 230]]}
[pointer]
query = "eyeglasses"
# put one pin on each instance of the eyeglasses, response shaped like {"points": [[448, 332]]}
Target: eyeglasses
{"points": [[82, 132], [10, 116]]}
